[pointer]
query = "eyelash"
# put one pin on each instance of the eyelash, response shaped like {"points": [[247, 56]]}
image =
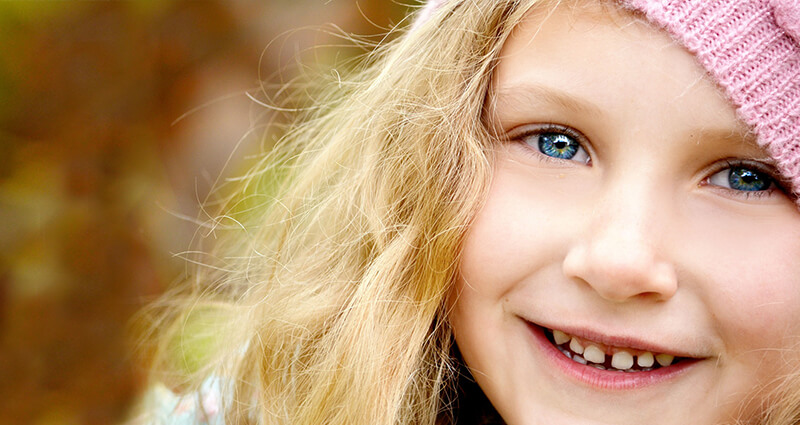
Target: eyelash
{"points": [[551, 128], [728, 164]]}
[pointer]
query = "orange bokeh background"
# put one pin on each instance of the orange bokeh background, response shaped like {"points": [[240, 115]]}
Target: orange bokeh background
{"points": [[116, 119]]}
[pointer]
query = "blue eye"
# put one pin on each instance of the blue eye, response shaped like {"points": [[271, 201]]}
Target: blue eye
{"points": [[743, 178], [562, 146]]}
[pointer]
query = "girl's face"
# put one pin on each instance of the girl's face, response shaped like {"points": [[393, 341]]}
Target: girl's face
{"points": [[631, 218]]}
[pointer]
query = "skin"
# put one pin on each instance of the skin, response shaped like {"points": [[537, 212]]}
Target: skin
{"points": [[644, 241]]}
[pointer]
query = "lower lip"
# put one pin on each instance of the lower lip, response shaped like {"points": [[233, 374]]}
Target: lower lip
{"points": [[606, 379]]}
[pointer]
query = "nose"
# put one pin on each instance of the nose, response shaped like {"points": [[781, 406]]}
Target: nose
{"points": [[620, 253]]}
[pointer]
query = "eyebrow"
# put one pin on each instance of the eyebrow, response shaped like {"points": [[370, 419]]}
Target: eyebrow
{"points": [[742, 141], [529, 95]]}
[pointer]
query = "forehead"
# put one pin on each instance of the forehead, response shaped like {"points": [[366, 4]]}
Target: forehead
{"points": [[597, 60]]}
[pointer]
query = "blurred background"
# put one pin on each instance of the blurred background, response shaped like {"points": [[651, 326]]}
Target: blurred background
{"points": [[116, 119]]}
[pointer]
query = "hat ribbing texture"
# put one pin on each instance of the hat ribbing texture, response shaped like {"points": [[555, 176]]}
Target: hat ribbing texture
{"points": [[750, 48]]}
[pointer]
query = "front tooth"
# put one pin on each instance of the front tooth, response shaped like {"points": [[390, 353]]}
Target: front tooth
{"points": [[576, 346], [579, 359], [622, 360], [664, 359], [645, 359], [594, 355], [560, 337]]}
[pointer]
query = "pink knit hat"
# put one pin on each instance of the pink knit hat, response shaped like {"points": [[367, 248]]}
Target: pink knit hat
{"points": [[751, 48]]}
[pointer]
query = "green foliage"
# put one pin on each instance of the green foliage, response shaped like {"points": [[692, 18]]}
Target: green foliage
{"points": [[198, 339]]}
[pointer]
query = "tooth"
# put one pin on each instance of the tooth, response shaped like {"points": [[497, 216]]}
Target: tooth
{"points": [[560, 337], [576, 346], [598, 366], [594, 355], [664, 359], [565, 352], [645, 359], [579, 359], [622, 360]]}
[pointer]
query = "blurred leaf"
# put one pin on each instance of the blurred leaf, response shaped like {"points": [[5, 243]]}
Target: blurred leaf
{"points": [[199, 338], [36, 270], [36, 12], [149, 8]]}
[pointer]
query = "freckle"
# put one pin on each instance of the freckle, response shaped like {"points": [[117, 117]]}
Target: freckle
{"points": [[561, 176]]}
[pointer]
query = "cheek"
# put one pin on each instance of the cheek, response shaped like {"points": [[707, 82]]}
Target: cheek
{"points": [[524, 225], [751, 283], [490, 267], [509, 240]]}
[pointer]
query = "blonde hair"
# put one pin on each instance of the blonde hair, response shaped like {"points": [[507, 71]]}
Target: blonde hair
{"points": [[785, 406], [333, 310], [329, 304]]}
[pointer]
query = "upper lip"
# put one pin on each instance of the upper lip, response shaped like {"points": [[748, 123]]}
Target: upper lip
{"points": [[621, 340]]}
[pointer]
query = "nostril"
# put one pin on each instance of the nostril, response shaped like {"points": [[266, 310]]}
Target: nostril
{"points": [[664, 280], [575, 263], [620, 275]]}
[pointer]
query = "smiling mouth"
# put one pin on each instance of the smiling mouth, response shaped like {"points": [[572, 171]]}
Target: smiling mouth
{"points": [[601, 356]]}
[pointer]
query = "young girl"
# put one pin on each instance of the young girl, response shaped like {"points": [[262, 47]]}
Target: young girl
{"points": [[523, 212]]}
